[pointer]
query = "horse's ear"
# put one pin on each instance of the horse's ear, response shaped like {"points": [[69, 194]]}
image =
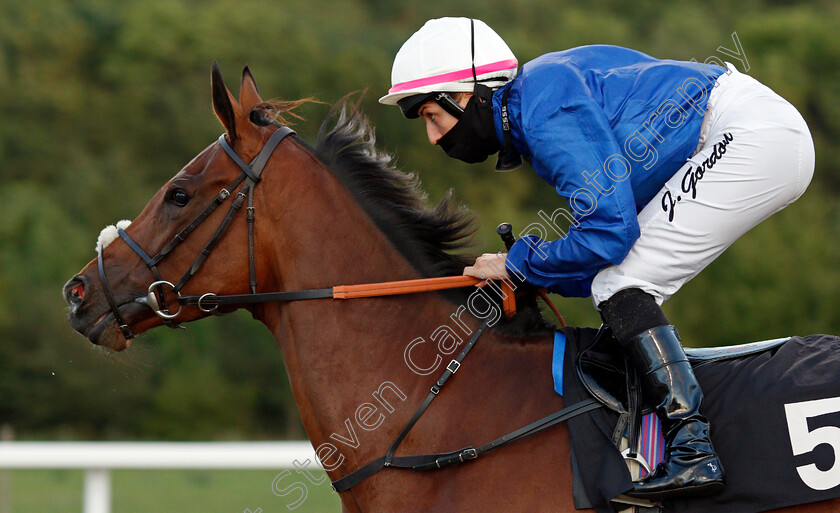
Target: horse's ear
{"points": [[223, 103], [249, 95]]}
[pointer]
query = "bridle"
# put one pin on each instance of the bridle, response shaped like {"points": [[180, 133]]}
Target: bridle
{"points": [[156, 300], [210, 302]]}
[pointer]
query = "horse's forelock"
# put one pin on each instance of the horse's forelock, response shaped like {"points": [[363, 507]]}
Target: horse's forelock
{"points": [[278, 112]]}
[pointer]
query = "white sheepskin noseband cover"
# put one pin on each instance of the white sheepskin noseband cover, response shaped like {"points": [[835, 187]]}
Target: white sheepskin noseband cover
{"points": [[109, 234]]}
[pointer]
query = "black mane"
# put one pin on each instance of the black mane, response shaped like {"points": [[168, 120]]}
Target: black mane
{"points": [[395, 202], [394, 199]]}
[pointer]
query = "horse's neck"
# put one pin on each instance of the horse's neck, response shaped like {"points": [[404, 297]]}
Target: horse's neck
{"points": [[347, 360], [338, 352]]}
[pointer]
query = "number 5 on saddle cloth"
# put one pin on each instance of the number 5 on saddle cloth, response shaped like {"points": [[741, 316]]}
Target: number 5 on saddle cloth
{"points": [[765, 402]]}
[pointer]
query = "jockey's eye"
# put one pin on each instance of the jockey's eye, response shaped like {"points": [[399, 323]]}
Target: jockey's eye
{"points": [[178, 197]]}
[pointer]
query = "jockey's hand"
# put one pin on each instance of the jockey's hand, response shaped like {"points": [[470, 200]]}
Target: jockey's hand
{"points": [[489, 266]]}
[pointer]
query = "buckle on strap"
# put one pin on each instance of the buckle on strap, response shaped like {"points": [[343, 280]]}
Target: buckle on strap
{"points": [[456, 364], [470, 453], [126, 331]]}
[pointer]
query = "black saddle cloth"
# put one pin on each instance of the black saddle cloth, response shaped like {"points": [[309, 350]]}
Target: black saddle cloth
{"points": [[775, 423]]}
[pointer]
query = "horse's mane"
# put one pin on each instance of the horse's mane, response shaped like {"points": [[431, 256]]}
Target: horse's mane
{"points": [[395, 201]]}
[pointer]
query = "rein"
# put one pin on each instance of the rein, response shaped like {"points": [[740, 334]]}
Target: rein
{"points": [[209, 302]]}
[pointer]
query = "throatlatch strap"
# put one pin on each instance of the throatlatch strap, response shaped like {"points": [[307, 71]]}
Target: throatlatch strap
{"points": [[252, 266]]}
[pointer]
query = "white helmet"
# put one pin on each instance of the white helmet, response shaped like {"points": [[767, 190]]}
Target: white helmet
{"points": [[448, 55]]}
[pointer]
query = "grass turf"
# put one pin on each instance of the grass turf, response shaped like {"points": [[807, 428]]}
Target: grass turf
{"points": [[206, 491]]}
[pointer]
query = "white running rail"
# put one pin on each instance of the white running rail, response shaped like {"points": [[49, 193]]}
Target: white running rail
{"points": [[97, 459]]}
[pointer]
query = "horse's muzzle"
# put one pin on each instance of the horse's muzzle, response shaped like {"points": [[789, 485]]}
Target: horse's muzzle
{"points": [[88, 316]]}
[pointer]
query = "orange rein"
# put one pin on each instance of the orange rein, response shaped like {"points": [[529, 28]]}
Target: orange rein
{"points": [[390, 288]]}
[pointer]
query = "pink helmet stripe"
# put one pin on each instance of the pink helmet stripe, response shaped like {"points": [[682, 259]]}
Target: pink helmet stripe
{"points": [[454, 76]]}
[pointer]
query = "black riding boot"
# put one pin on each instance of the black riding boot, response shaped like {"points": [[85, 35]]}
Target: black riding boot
{"points": [[691, 467]]}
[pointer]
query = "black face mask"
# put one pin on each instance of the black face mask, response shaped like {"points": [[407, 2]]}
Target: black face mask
{"points": [[473, 138]]}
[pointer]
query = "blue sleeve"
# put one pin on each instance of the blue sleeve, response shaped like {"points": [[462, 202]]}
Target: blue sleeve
{"points": [[566, 141]]}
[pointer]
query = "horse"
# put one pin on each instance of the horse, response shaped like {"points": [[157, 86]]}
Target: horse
{"points": [[342, 213]]}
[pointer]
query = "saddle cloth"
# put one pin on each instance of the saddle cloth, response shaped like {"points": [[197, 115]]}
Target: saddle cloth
{"points": [[775, 423]]}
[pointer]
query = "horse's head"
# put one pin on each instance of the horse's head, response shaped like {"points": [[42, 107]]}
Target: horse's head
{"points": [[180, 227]]}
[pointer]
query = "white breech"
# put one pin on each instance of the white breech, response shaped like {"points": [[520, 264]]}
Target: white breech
{"points": [[754, 158]]}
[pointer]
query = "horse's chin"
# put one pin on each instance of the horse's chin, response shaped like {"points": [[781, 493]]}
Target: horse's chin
{"points": [[107, 334], [115, 342]]}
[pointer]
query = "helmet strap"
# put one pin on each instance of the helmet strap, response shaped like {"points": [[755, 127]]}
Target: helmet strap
{"points": [[509, 159], [448, 103], [472, 49], [445, 100]]}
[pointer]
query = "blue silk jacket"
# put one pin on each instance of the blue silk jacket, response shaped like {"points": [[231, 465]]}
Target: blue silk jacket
{"points": [[607, 127]]}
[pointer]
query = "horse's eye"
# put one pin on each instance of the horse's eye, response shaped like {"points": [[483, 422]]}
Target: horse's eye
{"points": [[179, 197]]}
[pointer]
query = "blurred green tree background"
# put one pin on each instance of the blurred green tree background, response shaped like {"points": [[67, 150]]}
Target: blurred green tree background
{"points": [[101, 101]]}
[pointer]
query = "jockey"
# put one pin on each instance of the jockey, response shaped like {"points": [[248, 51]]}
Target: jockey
{"points": [[663, 163]]}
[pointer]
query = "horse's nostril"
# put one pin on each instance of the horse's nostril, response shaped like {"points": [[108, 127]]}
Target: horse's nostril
{"points": [[74, 291]]}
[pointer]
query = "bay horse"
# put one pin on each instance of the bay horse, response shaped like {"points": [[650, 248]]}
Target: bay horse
{"points": [[341, 213]]}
